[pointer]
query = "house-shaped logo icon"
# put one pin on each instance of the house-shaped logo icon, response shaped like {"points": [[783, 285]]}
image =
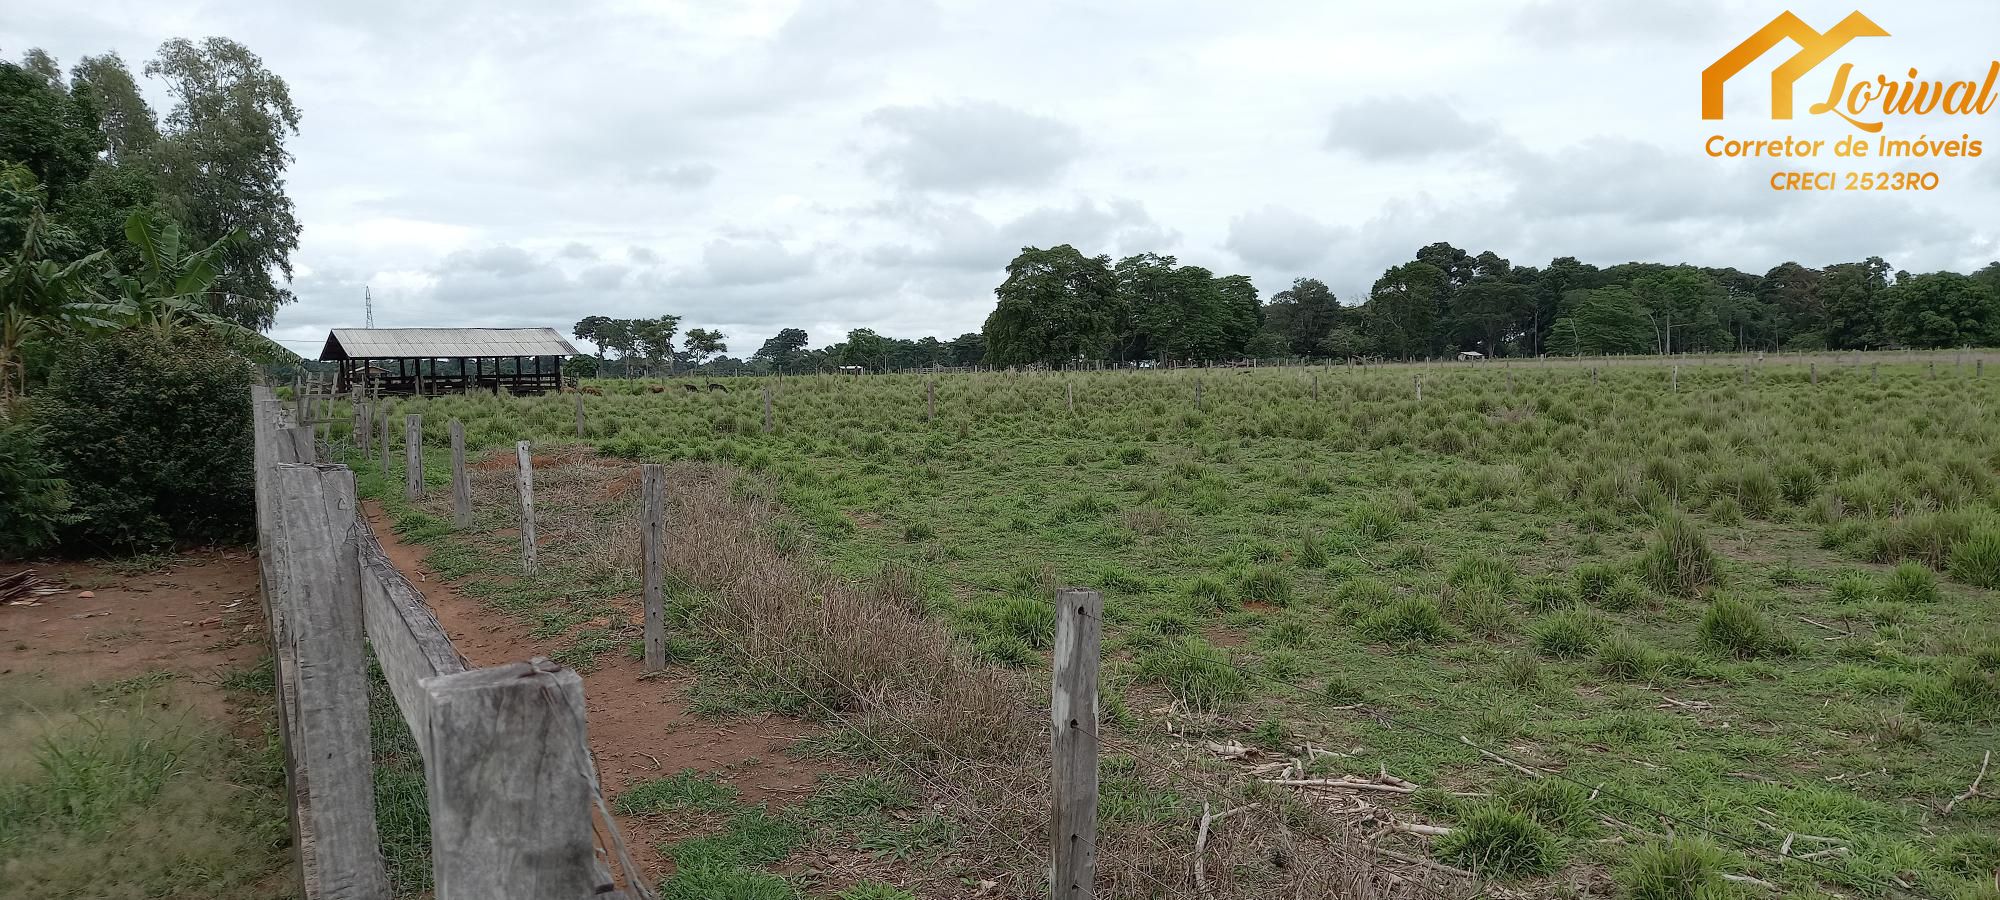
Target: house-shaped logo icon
{"points": [[1814, 48]]}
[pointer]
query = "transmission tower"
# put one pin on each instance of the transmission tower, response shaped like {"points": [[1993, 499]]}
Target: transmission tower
{"points": [[368, 306]]}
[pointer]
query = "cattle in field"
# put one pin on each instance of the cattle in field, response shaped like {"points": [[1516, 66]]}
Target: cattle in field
{"points": [[716, 387], [656, 388], [691, 389]]}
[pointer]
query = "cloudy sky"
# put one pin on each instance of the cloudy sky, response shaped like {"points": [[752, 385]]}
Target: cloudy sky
{"points": [[831, 164]]}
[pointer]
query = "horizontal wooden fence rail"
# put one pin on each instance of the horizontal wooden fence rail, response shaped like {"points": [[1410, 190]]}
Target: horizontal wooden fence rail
{"points": [[511, 786]]}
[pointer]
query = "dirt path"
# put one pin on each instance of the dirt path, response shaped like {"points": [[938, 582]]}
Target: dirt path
{"points": [[197, 618], [640, 728]]}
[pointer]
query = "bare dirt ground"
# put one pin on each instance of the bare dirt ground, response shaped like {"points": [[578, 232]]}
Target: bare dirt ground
{"points": [[640, 728], [198, 617]]}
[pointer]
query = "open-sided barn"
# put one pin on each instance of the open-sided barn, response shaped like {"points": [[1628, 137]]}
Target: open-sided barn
{"points": [[425, 361]]}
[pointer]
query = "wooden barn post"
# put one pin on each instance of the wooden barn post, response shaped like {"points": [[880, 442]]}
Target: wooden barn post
{"points": [[413, 457], [461, 481], [524, 480], [1073, 712], [652, 534]]}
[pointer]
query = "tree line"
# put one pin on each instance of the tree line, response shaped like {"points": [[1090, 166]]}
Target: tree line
{"points": [[634, 347], [1058, 305], [140, 258]]}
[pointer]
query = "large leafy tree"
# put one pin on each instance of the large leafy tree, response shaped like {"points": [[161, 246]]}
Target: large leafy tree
{"points": [[1603, 321], [1403, 307], [1304, 315], [1941, 309], [1853, 296], [704, 343], [221, 164], [1055, 305], [782, 351], [1683, 307]]}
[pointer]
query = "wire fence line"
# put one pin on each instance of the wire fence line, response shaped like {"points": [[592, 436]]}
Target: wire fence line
{"points": [[1389, 718]]}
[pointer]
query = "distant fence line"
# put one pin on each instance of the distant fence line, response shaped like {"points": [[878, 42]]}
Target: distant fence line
{"points": [[511, 785]]}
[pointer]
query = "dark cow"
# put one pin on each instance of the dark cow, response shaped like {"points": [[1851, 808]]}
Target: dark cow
{"points": [[691, 389], [716, 387]]}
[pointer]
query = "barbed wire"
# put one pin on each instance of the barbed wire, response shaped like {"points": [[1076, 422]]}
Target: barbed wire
{"points": [[1390, 719]]}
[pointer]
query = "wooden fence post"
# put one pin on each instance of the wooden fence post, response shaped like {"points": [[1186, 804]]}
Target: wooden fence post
{"points": [[1418, 380], [507, 773], [652, 532], [1677, 378], [1197, 395], [767, 409], [1073, 711], [319, 589], [413, 457], [1932, 366], [1315, 387], [524, 479], [385, 445], [461, 481], [579, 414], [1979, 368], [1875, 372], [364, 426]]}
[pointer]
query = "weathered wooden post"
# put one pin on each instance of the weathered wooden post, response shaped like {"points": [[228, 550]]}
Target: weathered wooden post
{"points": [[1593, 376], [652, 532], [767, 409], [1677, 378], [1418, 380], [1875, 372], [413, 457], [1979, 368], [524, 480], [461, 481], [507, 770], [579, 414], [1073, 711], [1932, 366], [364, 426], [1315, 387], [385, 445], [319, 590]]}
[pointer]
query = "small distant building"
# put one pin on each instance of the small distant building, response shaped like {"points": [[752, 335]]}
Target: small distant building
{"points": [[1470, 355], [429, 361]]}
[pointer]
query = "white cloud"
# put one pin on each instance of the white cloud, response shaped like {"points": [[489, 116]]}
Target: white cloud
{"points": [[833, 164]]}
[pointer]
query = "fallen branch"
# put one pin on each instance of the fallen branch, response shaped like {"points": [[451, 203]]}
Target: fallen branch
{"points": [[1420, 861], [1413, 828], [1822, 854], [1972, 791], [1745, 879], [1531, 773], [1840, 631], [1201, 844], [1341, 784]]}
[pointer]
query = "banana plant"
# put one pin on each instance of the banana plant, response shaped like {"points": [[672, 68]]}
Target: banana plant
{"points": [[37, 297], [169, 295]]}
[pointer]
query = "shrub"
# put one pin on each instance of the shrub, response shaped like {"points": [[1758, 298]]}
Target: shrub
{"points": [[1741, 630], [1210, 593], [1199, 673], [1567, 634], [1593, 580], [1681, 869], [1499, 842], [1267, 585], [1548, 595], [154, 438], [34, 501], [1910, 583], [1373, 522], [1976, 560], [1964, 694], [1852, 587], [1409, 619], [1679, 561], [1623, 656], [1556, 804], [1625, 593]]}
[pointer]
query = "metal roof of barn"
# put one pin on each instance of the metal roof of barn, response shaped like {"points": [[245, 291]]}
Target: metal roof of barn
{"points": [[438, 343]]}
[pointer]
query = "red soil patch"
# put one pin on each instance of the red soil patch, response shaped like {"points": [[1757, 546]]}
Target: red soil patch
{"points": [[199, 618], [640, 728]]}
